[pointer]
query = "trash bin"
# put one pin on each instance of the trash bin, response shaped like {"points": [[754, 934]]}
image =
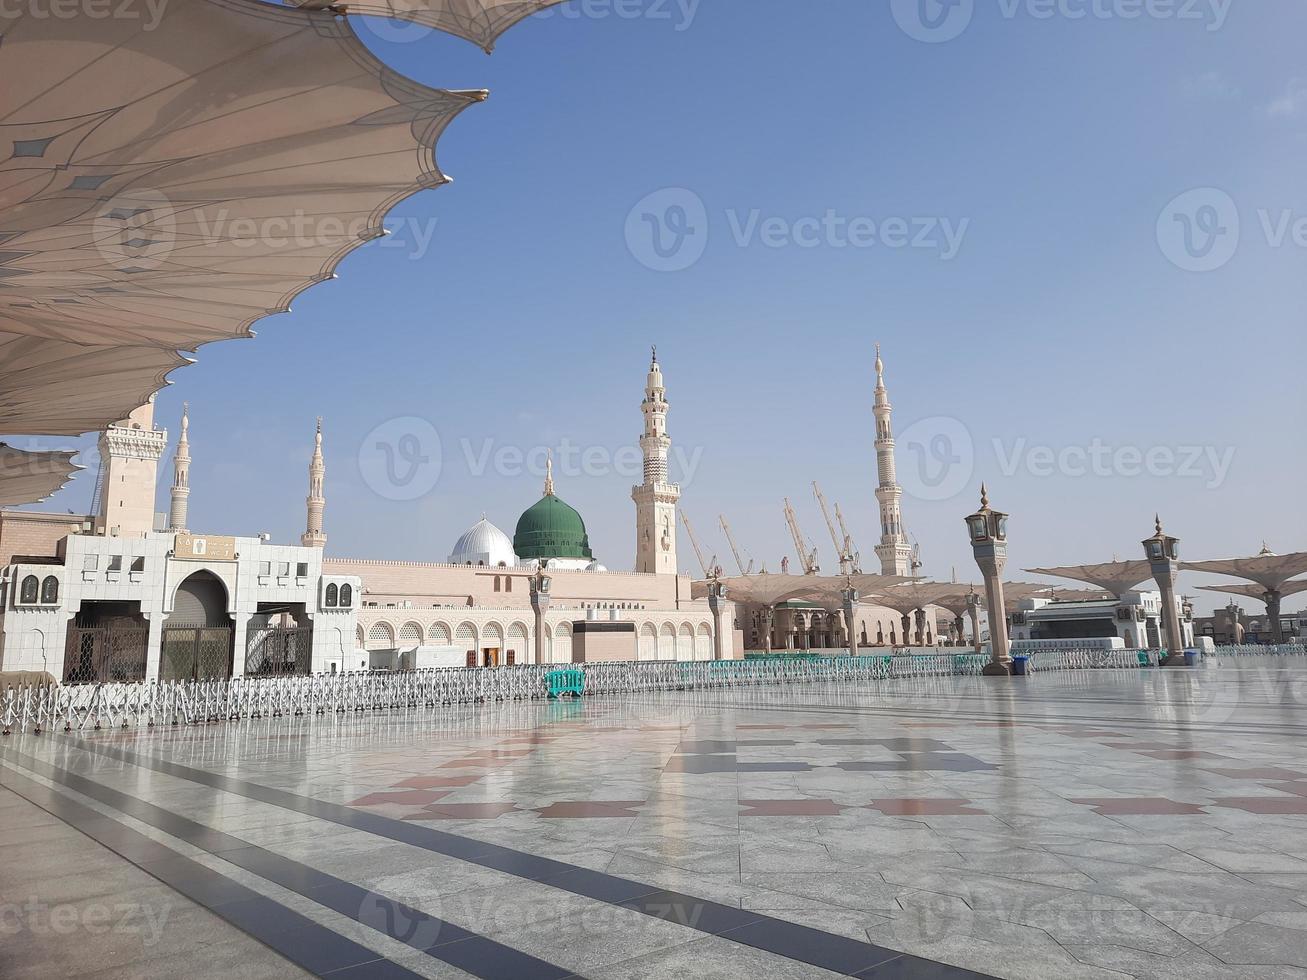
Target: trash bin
{"points": [[1019, 665], [1192, 657]]}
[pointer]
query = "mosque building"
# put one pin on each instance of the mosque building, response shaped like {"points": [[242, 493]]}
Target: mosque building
{"points": [[128, 594]]}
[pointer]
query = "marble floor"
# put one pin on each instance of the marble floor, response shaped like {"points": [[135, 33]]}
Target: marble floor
{"points": [[1097, 824]]}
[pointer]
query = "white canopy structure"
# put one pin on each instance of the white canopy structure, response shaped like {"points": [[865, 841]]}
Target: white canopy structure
{"points": [[1115, 577], [166, 187], [479, 21], [1270, 572], [29, 476]]}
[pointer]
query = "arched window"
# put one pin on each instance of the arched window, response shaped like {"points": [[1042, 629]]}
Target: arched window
{"points": [[496, 583], [333, 595], [508, 583], [346, 595], [27, 593], [50, 590]]}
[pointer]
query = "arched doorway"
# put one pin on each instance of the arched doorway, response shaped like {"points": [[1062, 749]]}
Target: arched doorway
{"points": [[197, 636]]}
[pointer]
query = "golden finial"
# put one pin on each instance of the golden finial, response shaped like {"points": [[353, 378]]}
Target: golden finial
{"points": [[1157, 524], [549, 474], [984, 497]]}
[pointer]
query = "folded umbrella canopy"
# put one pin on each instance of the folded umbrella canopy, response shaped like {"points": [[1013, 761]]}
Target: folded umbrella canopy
{"points": [[28, 476]]}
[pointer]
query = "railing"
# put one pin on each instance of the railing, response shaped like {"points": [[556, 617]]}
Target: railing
{"points": [[1263, 650], [97, 706]]}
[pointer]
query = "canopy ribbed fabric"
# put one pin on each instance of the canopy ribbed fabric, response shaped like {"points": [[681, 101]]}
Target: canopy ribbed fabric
{"points": [[479, 21], [56, 388], [30, 476], [1256, 591], [170, 187], [1269, 571], [1116, 577]]}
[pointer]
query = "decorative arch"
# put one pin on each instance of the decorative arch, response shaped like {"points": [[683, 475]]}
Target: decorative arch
{"points": [[517, 642], [410, 634], [465, 636], [685, 642], [346, 595], [440, 635], [381, 636], [200, 599], [549, 644], [332, 597], [667, 642], [492, 635], [563, 644], [647, 644], [703, 642], [50, 590], [360, 640], [29, 590]]}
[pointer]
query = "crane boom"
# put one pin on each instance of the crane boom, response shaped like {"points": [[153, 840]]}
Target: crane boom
{"points": [[807, 555], [830, 526], [698, 552], [730, 539], [848, 541]]}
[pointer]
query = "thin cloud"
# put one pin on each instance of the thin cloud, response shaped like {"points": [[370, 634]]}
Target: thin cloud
{"points": [[1292, 103]]}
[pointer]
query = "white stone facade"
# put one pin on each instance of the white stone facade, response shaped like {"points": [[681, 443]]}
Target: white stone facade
{"points": [[145, 573]]}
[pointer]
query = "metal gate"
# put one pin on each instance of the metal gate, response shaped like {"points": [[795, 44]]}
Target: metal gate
{"points": [[195, 653], [279, 650], [103, 654]]}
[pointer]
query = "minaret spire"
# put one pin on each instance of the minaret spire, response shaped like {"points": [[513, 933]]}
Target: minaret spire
{"points": [[655, 499], [181, 475], [894, 551], [549, 474], [314, 536]]}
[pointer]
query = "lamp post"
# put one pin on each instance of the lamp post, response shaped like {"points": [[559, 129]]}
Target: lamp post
{"points": [[988, 531], [973, 607], [540, 586], [716, 603], [1163, 554], [850, 596]]}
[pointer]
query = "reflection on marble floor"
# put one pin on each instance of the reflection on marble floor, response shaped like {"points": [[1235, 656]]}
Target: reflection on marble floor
{"points": [[1088, 824]]}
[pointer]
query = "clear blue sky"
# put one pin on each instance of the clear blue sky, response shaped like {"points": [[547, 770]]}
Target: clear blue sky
{"points": [[1062, 321]]}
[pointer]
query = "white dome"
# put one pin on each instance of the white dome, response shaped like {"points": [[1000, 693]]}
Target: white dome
{"points": [[483, 544]]}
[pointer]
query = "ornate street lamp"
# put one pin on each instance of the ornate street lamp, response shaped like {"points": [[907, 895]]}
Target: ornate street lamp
{"points": [[850, 597], [540, 598], [1163, 554], [988, 531], [717, 603]]}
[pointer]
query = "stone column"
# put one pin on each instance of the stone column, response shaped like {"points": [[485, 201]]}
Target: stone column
{"points": [[973, 607], [850, 597], [716, 603]]}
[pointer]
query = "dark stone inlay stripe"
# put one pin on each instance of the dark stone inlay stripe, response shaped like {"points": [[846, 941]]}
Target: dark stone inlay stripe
{"points": [[298, 938], [478, 955], [766, 933]]}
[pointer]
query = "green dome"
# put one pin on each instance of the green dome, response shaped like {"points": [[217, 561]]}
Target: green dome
{"points": [[551, 529]]}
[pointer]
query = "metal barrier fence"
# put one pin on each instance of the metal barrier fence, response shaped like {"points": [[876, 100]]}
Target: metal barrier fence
{"points": [[69, 707]]}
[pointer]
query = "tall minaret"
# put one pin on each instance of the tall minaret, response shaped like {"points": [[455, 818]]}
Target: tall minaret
{"points": [[655, 499], [313, 536], [894, 552], [181, 475]]}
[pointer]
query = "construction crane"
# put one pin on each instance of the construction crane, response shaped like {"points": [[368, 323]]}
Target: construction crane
{"points": [[698, 552], [807, 553], [848, 542], [842, 549], [730, 539]]}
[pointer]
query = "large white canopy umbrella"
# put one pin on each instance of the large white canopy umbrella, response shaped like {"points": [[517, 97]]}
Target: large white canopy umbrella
{"points": [[28, 476]]}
